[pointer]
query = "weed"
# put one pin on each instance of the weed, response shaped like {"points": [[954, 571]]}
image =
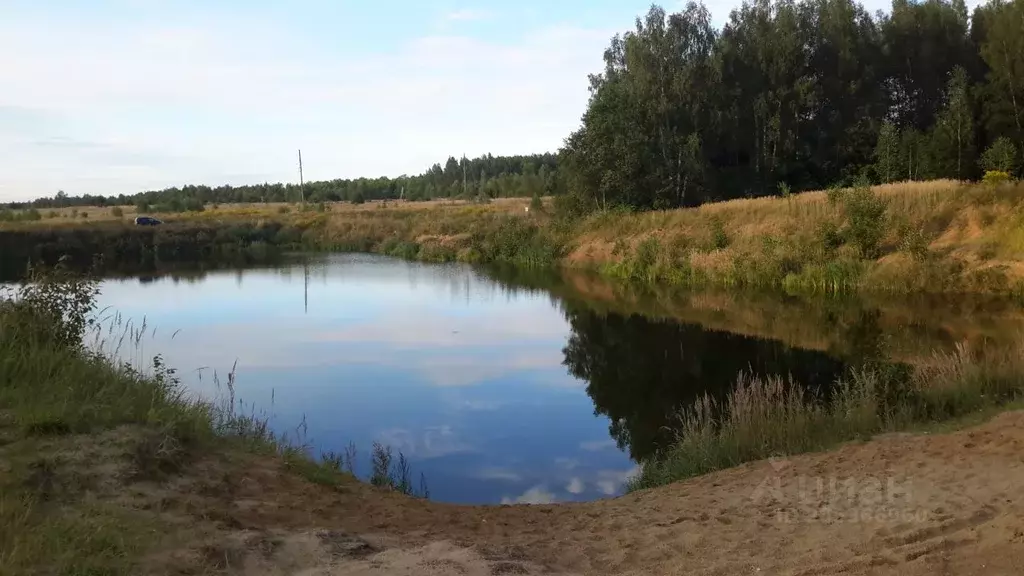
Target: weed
{"points": [[865, 214], [56, 384], [719, 239], [829, 236], [771, 416]]}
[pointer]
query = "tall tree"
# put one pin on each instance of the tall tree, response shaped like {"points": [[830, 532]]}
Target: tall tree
{"points": [[887, 153], [641, 140], [1000, 35], [952, 141]]}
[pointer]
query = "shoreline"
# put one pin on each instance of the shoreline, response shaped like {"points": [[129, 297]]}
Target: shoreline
{"points": [[128, 475], [937, 237]]}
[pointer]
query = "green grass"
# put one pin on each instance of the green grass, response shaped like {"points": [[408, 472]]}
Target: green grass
{"points": [[770, 417], [66, 409]]}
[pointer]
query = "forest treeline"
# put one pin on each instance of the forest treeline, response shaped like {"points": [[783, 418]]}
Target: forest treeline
{"points": [[795, 95], [486, 176], [786, 96]]}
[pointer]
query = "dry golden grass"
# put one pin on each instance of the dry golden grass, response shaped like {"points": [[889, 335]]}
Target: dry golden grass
{"points": [[942, 235]]}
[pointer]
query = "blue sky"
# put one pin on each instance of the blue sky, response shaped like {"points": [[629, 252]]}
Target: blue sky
{"points": [[117, 96]]}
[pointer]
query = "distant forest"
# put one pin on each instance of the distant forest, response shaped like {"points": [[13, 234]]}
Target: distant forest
{"points": [[490, 176], [787, 96]]}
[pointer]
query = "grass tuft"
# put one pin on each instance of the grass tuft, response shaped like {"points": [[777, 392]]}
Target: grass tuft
{"points": [[766, 417]]}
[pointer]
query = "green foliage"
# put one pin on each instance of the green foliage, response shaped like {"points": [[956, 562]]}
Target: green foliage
{"points": [[888, 161], [952, 138], [143, 248], [30, 215], [865, 215], [829, 236], [116, 212], [994, 177], [784, 190], [835, 194], [358, 197], [913, 241], [497, 176], [719, 239], [536, 204], [764, 418], [1001, 156], [387, 472], [518, 241], [570, 207]]}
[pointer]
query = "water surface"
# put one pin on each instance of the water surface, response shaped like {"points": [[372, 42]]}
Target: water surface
{"points": [[496, 390]]}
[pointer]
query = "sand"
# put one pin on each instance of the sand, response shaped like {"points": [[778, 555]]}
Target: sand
{"points": [[900, 504]]}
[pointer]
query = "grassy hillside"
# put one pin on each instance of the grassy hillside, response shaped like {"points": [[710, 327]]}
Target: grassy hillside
{"points": [[938, 236]]}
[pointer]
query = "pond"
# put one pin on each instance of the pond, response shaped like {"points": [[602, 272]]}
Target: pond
{"points": [[500, 388]]}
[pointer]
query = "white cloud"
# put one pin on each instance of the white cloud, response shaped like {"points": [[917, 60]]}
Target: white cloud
{"points": [[566, 463], [215, 101], [502, 474], [597, 445], [575, 486], [431, 442], [611, 482], [535, 495]]}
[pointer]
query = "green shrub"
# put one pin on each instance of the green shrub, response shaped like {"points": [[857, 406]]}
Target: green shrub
{"points": [[719, 239], [536, 204], [1001, 156], [829, 236], [994, 177], [835, 194], [913, 241], [570, 206], [116, 212], [865, 214]]}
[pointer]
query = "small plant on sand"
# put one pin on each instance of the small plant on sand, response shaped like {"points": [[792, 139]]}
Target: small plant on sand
{"points": [[387, 472]]}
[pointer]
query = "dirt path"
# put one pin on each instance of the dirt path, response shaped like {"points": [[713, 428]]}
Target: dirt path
{"points": [[902, 504]]}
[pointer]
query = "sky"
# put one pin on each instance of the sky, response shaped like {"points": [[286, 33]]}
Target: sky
{"points": [[119, 96]]}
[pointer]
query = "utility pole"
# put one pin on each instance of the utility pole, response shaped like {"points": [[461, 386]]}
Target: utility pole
{"points": [[302, 186]]}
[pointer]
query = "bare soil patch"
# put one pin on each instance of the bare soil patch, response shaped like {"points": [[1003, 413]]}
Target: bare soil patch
{"points": [[902, 504]]}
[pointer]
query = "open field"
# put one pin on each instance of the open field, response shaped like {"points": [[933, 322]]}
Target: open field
{"points": [[939, 236], [88, 214]]}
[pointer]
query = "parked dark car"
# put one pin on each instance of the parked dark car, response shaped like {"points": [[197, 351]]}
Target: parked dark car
{"points": [[147, 221]]}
